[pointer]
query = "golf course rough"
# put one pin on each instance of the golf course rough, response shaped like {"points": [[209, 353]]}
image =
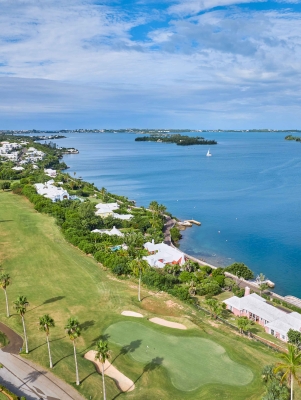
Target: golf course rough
{"points": [[190, 361]]}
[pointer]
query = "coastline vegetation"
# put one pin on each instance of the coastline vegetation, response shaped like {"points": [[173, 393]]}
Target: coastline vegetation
{"points": [[291, 137], [179, 140]]}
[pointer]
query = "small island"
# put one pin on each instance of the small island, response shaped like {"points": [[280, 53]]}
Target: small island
{"points": [[180, 140], [291, 137]]}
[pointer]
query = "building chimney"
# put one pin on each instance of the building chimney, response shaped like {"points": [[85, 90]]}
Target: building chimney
{"points": [[153, 242], [247, 291]]}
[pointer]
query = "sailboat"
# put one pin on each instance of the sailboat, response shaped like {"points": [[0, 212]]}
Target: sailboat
{"points": [[208, 153]]}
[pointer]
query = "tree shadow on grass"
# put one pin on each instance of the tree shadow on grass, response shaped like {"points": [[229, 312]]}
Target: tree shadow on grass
{"points": [[53, 299], [104, 337], [87, 324], [151, 366], [150, 295], [43, 344], [129, 348], [7, 220], [86, 377]]}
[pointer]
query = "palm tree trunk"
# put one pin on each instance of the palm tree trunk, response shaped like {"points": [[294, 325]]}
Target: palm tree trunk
{"points": [[25, 336], [7, 309], [76, 367], [103, 382], [139, 297], [48, 345], [292, 385]]}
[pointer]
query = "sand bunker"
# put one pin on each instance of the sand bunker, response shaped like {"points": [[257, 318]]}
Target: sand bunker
{"points": [[163, 322], [124, 384], [132, 314]]}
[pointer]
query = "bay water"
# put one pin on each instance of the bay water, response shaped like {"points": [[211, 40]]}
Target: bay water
{"points": [[247, 195]]}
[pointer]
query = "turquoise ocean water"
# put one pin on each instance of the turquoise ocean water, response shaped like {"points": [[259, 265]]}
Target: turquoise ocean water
{"points": [[247, 195]]}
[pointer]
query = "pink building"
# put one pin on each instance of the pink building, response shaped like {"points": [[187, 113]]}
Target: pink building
{"points": [[276, 322]]}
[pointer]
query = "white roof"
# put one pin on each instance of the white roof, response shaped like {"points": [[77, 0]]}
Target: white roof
{"points": [[50, 191], [163, 254], [113, 231], [18, 168], [123, 216], [107, 206], [256, 305], [285, 323]]}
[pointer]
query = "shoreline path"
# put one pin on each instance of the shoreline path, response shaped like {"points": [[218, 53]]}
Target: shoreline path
{"points": [[24, 378]]}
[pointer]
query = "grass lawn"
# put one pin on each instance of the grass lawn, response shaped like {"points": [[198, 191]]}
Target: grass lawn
{"points": [[3, 340], [60, 280], [205, 361]]}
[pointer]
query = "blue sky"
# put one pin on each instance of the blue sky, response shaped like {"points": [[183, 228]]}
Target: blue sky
{"points": [[137, 63]]}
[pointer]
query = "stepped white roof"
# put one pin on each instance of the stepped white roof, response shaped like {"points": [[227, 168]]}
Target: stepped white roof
{"points": [[285, 323], [53, 193], [163, 254], [113, 231], [256, 305]]}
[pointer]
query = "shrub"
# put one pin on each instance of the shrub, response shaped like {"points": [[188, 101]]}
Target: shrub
{"points": [[240, 270], [206, 269], [186, 276]]}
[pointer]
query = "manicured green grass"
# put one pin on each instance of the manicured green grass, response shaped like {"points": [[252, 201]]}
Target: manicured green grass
{"points": [[205, 361], [60, 280]]}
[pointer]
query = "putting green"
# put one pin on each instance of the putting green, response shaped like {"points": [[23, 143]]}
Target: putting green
{"points": [[190, 361]]}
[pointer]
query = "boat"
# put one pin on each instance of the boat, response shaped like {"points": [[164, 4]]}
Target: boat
{"points": [[208, 153]]}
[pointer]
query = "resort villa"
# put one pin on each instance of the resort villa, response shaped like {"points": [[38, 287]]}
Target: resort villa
{"points": [[52, 192], [50, 172], [161, 254], [107, 209], [275, 322]]}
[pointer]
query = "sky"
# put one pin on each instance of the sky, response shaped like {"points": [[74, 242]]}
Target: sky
{"points": [[199, 64]]}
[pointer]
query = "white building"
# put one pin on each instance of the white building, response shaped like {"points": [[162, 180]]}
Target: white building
{"points": [[113, 231], [53, 193], [124, 217], [106, 209], [50, 172], [18, 168], [161, 254]]}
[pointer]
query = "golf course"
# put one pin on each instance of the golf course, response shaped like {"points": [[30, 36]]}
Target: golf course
{"points": [[206, 361]]}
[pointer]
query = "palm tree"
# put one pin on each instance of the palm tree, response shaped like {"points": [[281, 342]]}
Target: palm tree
{"points": [[215, 307], [74, 331], [102, 354], [290, 366], [4, 282], [20, 305], [138, 266], [243, 324], [47, 322]]}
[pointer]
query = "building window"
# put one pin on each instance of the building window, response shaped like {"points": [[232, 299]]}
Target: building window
{"points": [[283, 337], [272, 332]]}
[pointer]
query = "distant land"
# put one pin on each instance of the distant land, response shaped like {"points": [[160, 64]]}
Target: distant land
{"points": [[138, 131]]}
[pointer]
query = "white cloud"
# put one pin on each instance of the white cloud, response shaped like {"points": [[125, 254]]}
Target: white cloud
{"points": [[80, 58]]}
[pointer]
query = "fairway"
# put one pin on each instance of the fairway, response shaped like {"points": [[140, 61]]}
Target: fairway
{"points": [[190, 361]]}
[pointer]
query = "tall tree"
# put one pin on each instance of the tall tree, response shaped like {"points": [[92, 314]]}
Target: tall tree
{"points": [[20, 305], [46, 322], [138, 266], [74, 331], [4, 282], [102, 354], [290, 365]]}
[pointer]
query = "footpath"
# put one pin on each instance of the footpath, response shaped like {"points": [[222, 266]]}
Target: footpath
{"points": [[24, 378]]}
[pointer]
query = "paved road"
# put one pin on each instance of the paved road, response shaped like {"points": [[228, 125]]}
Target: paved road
{"points": [[25, 378], [166, 230]]}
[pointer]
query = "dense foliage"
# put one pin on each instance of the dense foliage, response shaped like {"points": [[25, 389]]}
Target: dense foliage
{"points": [[240, 270], [180, 140]]}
